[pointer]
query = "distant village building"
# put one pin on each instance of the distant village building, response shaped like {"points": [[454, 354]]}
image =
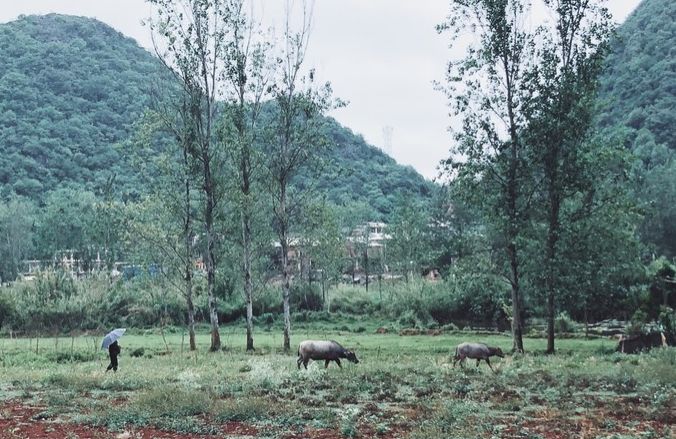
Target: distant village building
{"points": [[372, 236]]}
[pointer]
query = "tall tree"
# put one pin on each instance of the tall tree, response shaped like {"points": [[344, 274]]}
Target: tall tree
{"points": [[486, 89], [295, 138], [17, 216], [562, 88], [409, 249], [323, 243], [193, 38], [248, 71], [165, 220]]}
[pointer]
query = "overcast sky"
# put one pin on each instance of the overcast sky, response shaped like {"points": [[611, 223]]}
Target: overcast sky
{"points": [[380, 55]]}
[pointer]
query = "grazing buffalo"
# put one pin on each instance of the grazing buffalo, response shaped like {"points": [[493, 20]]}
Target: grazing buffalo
{"points": [[323, 350], [643, 342], [478, 351]]}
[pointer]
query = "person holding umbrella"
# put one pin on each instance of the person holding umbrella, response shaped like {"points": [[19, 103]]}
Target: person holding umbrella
{"points": [[114, 349]]}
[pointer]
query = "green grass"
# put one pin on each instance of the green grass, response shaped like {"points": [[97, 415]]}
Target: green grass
{"points": [[404, 385]]}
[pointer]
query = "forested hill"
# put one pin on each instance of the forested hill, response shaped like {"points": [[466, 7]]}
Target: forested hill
{"points": [[71, 89], [638, 95], [639, 87]]}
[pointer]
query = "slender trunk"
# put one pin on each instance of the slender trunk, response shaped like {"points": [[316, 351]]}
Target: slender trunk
{"points": [[248, 285], [517, 326], [550, 261], [512, 251], [245, 169], [552, 239], [210, 259], [187, 236], [323, 281], [191, 324], [366, 267], [286, 269], [286, 294], [513, 210]]}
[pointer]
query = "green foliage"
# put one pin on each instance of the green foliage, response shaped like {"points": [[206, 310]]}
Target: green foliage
{"points": [[247, 409], [563, 323], [173, 402], [411, 248], [351, 172], [637, 98], [638, 322], [667, 321], [16, 227], [71, 88], [637, 87]]}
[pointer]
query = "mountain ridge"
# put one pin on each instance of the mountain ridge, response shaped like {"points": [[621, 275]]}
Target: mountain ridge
{"points": [[71, 89]]}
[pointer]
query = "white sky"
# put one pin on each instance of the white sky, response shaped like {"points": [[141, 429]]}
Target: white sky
{"points": [[380, 55]]}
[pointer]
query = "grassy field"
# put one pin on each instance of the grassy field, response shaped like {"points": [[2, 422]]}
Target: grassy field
{"points": [[404, 387]]}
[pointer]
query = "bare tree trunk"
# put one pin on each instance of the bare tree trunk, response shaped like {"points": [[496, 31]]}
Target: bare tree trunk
{"points": [[188, 295], [210, 259], [191, 323], [286, 293], [517, 325], [248, 285], [366, 267], [512, 251], [323, 281], [550, 261], [187, 236], [283, 234], [513, 209]]}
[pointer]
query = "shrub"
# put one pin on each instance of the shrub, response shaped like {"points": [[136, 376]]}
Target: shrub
{"points": [[138, 352], [173, 401], [266, 319], [638, 323], [245, 409], [563, 323], [306, 297], [7, 311], [667, 321], [416, 317]]}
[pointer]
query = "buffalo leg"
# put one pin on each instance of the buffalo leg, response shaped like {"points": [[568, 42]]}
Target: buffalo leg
{"points": [[338, 363], [305, 363], [478, 360], [489, 364], [300, 360], [326, 364]]}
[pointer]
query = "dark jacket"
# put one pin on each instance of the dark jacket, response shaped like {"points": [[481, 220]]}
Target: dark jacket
{"points": [[114, 349]]}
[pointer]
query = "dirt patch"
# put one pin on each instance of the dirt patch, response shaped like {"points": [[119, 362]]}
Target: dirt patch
{"points": [[239, 429], [552, 424], [20, 421]]}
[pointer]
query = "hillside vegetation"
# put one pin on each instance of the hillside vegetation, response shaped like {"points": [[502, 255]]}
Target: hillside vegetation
{"points": [[638, 95], [71, 89]]}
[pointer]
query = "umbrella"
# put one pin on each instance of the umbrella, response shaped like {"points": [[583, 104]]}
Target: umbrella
{"points": [[112, 337]]}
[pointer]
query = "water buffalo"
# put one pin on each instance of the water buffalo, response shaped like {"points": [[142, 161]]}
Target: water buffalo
{"points": [[643, 342], [478, 351], [323, 350]]}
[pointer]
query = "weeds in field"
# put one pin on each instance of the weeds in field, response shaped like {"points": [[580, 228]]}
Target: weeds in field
{"points": [[172, 402], [247, 409], [403, 385]]}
